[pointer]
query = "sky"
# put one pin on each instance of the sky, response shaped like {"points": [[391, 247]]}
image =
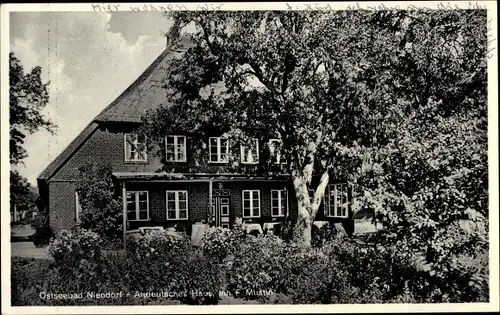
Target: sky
{"points": [[89, 59]]}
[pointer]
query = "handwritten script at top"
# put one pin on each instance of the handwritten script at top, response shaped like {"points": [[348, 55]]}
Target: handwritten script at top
{"points": [[382, 6], [149, 7]]}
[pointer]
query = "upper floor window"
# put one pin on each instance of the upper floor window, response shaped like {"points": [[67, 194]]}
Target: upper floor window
{"points": [[275, 151], [177, 205], [278, 203], [176, 148], [336, 201], [135, 148], [250, 152], [137, 206], [218, 150], [251, 203]]}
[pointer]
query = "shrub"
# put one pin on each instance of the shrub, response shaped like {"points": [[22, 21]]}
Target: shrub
{"points": [[167, 261], [218, 243], [322, 235], [325, 280], [43, 232], [261, 265], [69, 247], [101, 205]]}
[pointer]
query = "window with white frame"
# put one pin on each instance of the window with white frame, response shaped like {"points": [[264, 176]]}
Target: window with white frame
{"points": [[135, 148], [176, 148], [218, 149], [78, 208], [250, 152], [137, 206], [275, 151], [278, 203], [177, 205], [251, 203], [336, 201]]}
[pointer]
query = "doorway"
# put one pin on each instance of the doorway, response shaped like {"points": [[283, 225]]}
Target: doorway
{"points": [[221, 203]]}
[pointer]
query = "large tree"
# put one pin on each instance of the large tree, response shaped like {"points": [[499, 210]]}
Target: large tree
{"points": [[336, 87], [28, 96]]}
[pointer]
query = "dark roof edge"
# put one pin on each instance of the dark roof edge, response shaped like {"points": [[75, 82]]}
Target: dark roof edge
{"points": [[67, 153], [61, 159]]}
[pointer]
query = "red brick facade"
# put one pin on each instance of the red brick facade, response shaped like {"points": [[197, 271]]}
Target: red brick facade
{"points": [[102, 143]]}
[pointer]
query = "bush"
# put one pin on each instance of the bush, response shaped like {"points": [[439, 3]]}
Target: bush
{"points": [[322, 235], [218, 243], [263, 265], [70, 247], [166, 260], [101, 205], [43, 233]]}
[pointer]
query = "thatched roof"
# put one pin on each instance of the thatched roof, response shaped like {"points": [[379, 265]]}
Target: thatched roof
{"points": [[146, 92]]}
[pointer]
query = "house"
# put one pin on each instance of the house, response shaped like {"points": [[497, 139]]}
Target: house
{"points": [[202, 188]]}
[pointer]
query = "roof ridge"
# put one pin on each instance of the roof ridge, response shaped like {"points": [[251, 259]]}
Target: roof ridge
{"points": [[146, 73]]}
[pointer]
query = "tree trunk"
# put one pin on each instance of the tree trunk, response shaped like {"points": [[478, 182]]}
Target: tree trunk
{"points": [[303, 227], [306, 209], [302, 232]]}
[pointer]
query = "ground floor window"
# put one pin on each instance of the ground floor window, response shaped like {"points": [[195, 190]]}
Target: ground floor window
{"points": [[251, 203], [177, 205], [336, 201], [278, 203], [137, 206]]}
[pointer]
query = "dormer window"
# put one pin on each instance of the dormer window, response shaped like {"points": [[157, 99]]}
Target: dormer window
{"points": [[336, 201], [250, 152], [218, 149], [176, 148], [275, 151], [135, 148]]}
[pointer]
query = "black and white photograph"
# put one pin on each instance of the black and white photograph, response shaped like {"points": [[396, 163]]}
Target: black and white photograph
{"points": [[247, 155]]}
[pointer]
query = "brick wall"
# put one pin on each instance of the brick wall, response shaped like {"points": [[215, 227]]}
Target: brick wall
{"points": [[198, 198], [62, 205], [106, 147]]}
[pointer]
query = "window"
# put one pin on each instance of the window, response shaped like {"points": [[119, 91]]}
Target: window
{"points": [[218, 150], [176, 148], [78, 208], [275, 151], [135, 148], [137, 206], [278, 203], [336, 201], [251, 203], [177, 205], [250, 153]]}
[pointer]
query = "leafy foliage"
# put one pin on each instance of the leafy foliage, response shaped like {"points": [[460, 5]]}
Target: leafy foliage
{"points": [[322, 235], [101, 205], [21, 192], [219, 243], [167, 260], [394, 101], [28, 97]]}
